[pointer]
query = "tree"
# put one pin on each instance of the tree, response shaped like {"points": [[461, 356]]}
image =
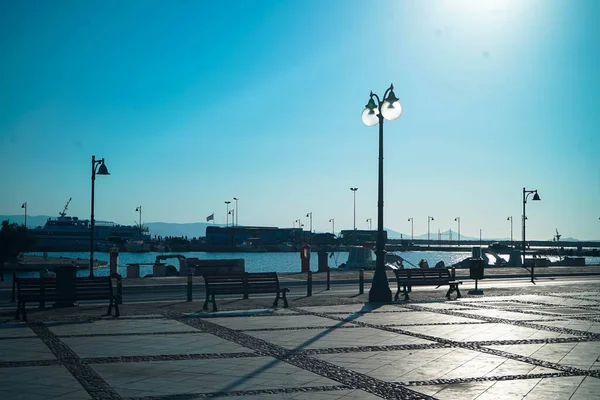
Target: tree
{"points": [[14, 239]]}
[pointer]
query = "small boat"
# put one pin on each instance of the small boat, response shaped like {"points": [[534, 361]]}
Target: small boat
{"points": [[250, 246], [137, 246]]}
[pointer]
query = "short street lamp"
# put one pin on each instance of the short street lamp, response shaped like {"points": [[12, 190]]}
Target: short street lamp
{"points": [[310, 226], [227, 213], [511, 229], [412, 231], [536, 197], [373, 114], [354, 192], [369, 221], [332, 220], [429, 219], [236, 211], [102, 170], [458, 219], [139, 209], [24, 205]]}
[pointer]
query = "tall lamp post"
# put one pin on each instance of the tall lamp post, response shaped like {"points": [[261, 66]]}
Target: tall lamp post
{"points": [[227, 213], [458, 219], [101, 170], [373, 114], [332, 220], [24, 205], [511, 228], [139, 209], [370, 220], [354, 191], [429, 219], [236, 211], [526, 194], [310, 215], [412, 234]]}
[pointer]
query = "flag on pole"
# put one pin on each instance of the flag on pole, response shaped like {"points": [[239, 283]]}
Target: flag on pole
{"points": [[211, 217]]}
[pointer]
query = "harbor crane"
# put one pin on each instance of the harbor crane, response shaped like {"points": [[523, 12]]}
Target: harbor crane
{"points": [[64, 211]]}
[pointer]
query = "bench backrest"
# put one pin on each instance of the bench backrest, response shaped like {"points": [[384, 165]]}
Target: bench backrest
{"points": [[36, 287], [86, 288], [231, 283], [260, 282], [423, 274], [96, 288]]}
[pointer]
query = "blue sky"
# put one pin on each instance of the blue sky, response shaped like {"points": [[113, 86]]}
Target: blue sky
{"points": [[193, 103]]}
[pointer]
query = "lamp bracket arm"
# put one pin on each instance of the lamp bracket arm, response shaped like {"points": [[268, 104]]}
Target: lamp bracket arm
{"points": [[385, 95], [378, 100]]}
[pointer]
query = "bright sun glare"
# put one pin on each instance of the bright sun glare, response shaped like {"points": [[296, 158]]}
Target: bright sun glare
{"points": [[479, 6]]}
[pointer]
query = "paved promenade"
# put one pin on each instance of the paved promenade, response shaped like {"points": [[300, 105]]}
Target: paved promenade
{"points": [[531, 343]]}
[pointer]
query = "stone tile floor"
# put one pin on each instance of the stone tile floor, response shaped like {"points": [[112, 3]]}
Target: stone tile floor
{"points": [[508, 347]]}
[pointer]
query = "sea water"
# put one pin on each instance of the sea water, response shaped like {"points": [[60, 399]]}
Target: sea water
{"points": [[261, 262]]}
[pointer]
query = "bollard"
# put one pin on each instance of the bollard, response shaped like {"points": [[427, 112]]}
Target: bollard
{"points": [[189, 285], [361, 281], [119, 299], [328, 278], [14, 285], [309, 284]]}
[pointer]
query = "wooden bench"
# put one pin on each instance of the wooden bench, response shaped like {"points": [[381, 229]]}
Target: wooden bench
{"points": [[406, 278], [45, 289], [246, 283]]}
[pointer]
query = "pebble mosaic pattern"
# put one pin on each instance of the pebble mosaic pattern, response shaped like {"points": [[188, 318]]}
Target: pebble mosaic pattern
{"points": [[527, 320]]}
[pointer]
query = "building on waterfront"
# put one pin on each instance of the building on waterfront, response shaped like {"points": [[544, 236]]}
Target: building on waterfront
{"points": [[237, 235]]}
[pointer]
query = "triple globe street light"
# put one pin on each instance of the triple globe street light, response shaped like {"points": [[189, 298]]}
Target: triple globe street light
{"points": [[373, 114]]}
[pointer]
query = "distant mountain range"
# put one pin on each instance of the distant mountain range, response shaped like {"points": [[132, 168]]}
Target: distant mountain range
{"points": [[196, 229]]}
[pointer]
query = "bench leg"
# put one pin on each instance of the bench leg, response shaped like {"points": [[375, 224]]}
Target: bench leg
{"points": [[110, 306], [117, 313], [18, 313], [397, 294], [458, 296], [285, 303], [405, 291], [450, 290], [214, 303], [24, 312], [276, 302], [205, 306]]}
